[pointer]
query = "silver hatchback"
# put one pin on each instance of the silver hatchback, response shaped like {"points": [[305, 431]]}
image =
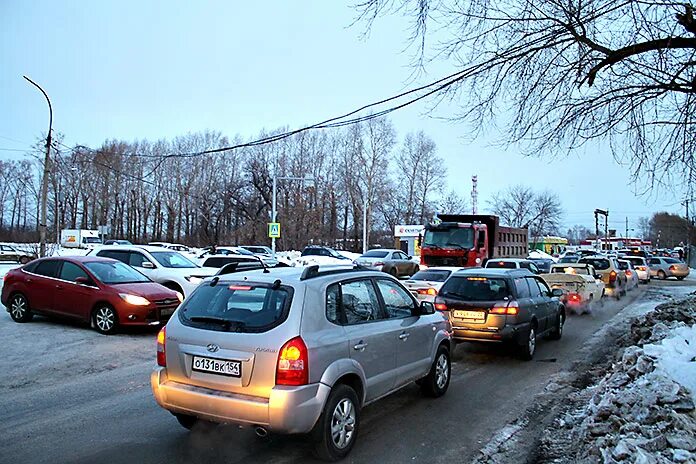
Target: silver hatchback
{"points": [[295, 350]]}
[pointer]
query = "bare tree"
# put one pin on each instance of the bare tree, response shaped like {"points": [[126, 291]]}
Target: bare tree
{"points": [[520, 206], [570, 72]]}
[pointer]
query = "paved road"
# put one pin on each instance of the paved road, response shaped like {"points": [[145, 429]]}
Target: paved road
{"points": [[70, 395]]}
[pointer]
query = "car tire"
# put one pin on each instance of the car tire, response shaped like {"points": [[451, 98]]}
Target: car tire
{"points": [[436, 383], [393, 272], [557, 331], [186, 421], [337, 428], [105, 319], [19, 308], [661, 275], [528, 347], [680, 278]]}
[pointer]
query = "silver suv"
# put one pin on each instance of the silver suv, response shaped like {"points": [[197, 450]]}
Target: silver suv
{"points": [[293, 350]]}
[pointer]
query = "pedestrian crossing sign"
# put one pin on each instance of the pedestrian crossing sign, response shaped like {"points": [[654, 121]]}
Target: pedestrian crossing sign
{"points": [[274, 229]]}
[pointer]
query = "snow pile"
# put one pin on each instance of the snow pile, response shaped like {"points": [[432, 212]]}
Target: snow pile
{"points": [[538, 254], [642, 410]]}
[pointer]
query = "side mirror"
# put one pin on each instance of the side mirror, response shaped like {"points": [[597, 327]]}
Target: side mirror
{"points": [[598, 276], [557, 292], [83, 281], [409, 257], [427, 307], [148, 265]]}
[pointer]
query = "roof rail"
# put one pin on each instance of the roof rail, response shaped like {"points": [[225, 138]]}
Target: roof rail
{"points": [[312, 271]]}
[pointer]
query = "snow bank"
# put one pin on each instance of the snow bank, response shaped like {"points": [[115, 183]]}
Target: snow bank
{"points": [[676, 357], [538, 254]]}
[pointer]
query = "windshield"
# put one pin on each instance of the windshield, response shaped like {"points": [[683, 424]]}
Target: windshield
{"points": [[172, 259], [432, 276], [444, 238], [375, 254], [475, 288], [635, 261], [237, 307], [568, 259], [598, 263], [115, 272], [90, 240]]}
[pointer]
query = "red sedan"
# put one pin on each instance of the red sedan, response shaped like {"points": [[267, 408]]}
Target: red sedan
{"points": [[104, 292]]}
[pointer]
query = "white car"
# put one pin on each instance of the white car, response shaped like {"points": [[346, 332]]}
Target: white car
{"points": [[167, 267], [632, 279], [581, 288], [265, 253], [641, 267], [425, 283]]}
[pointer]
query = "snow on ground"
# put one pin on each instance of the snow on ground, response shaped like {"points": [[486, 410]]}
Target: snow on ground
{"points": [[538, 254], [676, 357]]}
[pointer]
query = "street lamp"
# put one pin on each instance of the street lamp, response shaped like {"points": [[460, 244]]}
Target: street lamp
{"points": [[274, 211], [46, 172]]}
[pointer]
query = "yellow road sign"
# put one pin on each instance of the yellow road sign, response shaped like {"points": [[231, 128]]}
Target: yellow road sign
{"points": [[274, 229]]}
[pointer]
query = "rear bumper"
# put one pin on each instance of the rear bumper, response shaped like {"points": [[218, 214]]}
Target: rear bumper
{"points": [[508, 333], [287, 410]]}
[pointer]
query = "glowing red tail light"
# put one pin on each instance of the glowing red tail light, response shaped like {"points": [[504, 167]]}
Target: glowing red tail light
{"points": [[293, 363], [629, 273], [509, 309], [574, 297], [612, 276], [161, 354], [427, 291], [441, 306], [673, 268]]}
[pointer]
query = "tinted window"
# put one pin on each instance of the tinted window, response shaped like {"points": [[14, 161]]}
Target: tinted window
{"points": [[475, 288], [623, 265], [311, 252], [115, 272], [397, 301], [49, 268], [654, 261], [545, 290], [172, 259], [71, 272], [432, 276], [501, 264], [236, 307], [522, 288], [600, 264], [534, 287], [333, 297], [114, 254], [137, 259], [375, 254], [31, 267], [359, 302], [672, 261]]}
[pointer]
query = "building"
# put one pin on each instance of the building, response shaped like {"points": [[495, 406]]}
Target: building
{"points": [[615, 243], [407, 238], [549, 244]]}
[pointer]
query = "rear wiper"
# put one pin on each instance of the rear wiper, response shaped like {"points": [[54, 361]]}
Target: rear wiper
{"points": [[225, 323], [458, 295]]}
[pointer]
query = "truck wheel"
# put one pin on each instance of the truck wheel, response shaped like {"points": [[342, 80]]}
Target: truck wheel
{"points": [[337, 428]]}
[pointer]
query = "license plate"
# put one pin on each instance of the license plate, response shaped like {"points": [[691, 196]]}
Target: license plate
{"points": [[469, 314], [166, 312], [217, 366]]}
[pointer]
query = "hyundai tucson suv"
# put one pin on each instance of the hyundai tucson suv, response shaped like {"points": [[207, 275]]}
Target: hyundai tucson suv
{"points": [[292, 350], [502, 306]]}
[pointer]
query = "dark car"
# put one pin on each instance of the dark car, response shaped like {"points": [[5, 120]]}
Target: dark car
{"points": [[544, 264], [100, 291], [314, 250], [117, 242], [502, 305]]}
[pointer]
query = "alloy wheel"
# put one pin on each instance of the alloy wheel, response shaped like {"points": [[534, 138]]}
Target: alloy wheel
{"points": [[531, 343], [441, 371], [19, 307], [105, 318], [343, 423]]}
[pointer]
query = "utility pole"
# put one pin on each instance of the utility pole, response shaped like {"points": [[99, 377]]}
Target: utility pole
{"points": [[605, 213], [46, 173], [688, 232], [365, 237]]}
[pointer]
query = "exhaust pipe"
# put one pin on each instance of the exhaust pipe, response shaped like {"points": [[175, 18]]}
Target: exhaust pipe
{"points": [[261, 432]]}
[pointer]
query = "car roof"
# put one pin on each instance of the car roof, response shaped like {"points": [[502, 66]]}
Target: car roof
{"points": [[493, 272], [293, 275], [79, 258], [443, 268], [570, 265], [508, 260], [383, 249], [134, 247]]}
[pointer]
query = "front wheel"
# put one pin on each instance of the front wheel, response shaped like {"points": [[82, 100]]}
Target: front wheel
{"points": [[337, 428], [436, 383], [680, 278], [105, 320], [19, 309]]}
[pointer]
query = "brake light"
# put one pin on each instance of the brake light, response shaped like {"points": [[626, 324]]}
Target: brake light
{"points": [[441, 306], [612, 276], [628, 273], [240, 288], [161, 354], [511, 309], [427, 291], [293, 365], [574, 297], [673, 268]]}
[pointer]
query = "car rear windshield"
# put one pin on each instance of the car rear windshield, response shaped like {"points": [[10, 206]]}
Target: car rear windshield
{"points": [[115, 272], [375, 254], [431, 276], [597, 263], [475, 288], [671, 261], [501, 265], [635, 260], [570, 270], [172, 259], [237, 307]]}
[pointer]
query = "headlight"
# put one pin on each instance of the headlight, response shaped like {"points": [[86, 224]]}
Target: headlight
{"points": [[194, 280], [134, 299], [180, 297]]}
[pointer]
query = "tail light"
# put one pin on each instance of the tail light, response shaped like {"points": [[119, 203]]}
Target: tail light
{"points": [[673, 268], [439, 305], [574, 297], [612, 276], [641, 268], [628, 272], [161, 354], [510, 309], [293, 365], [427, 291]]}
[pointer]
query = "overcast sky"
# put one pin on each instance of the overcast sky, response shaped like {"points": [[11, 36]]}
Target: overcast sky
{"points": [[144, 69]]}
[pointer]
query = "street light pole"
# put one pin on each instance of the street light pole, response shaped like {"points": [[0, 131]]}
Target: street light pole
{"points": [[46, 172]]}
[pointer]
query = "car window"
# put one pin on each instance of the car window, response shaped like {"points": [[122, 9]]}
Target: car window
{"points": [[172, 259], [71, 272], [137, 259], [623, 265], [114, 254], [359, 302], [31, 267], [48, 268], [600, 264], [545, 290], [431, 275], [672, 261], [654, 261], [375, 254], [237, 307], [522, 288], [475, 288], [310, 252], [6, 248], [534, 288], [400, 255], [115, 272], [397, 301]]}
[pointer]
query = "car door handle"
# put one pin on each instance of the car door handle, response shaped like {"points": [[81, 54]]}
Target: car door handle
{"points": [[360, 346], [404, 336], [59, 287]]}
